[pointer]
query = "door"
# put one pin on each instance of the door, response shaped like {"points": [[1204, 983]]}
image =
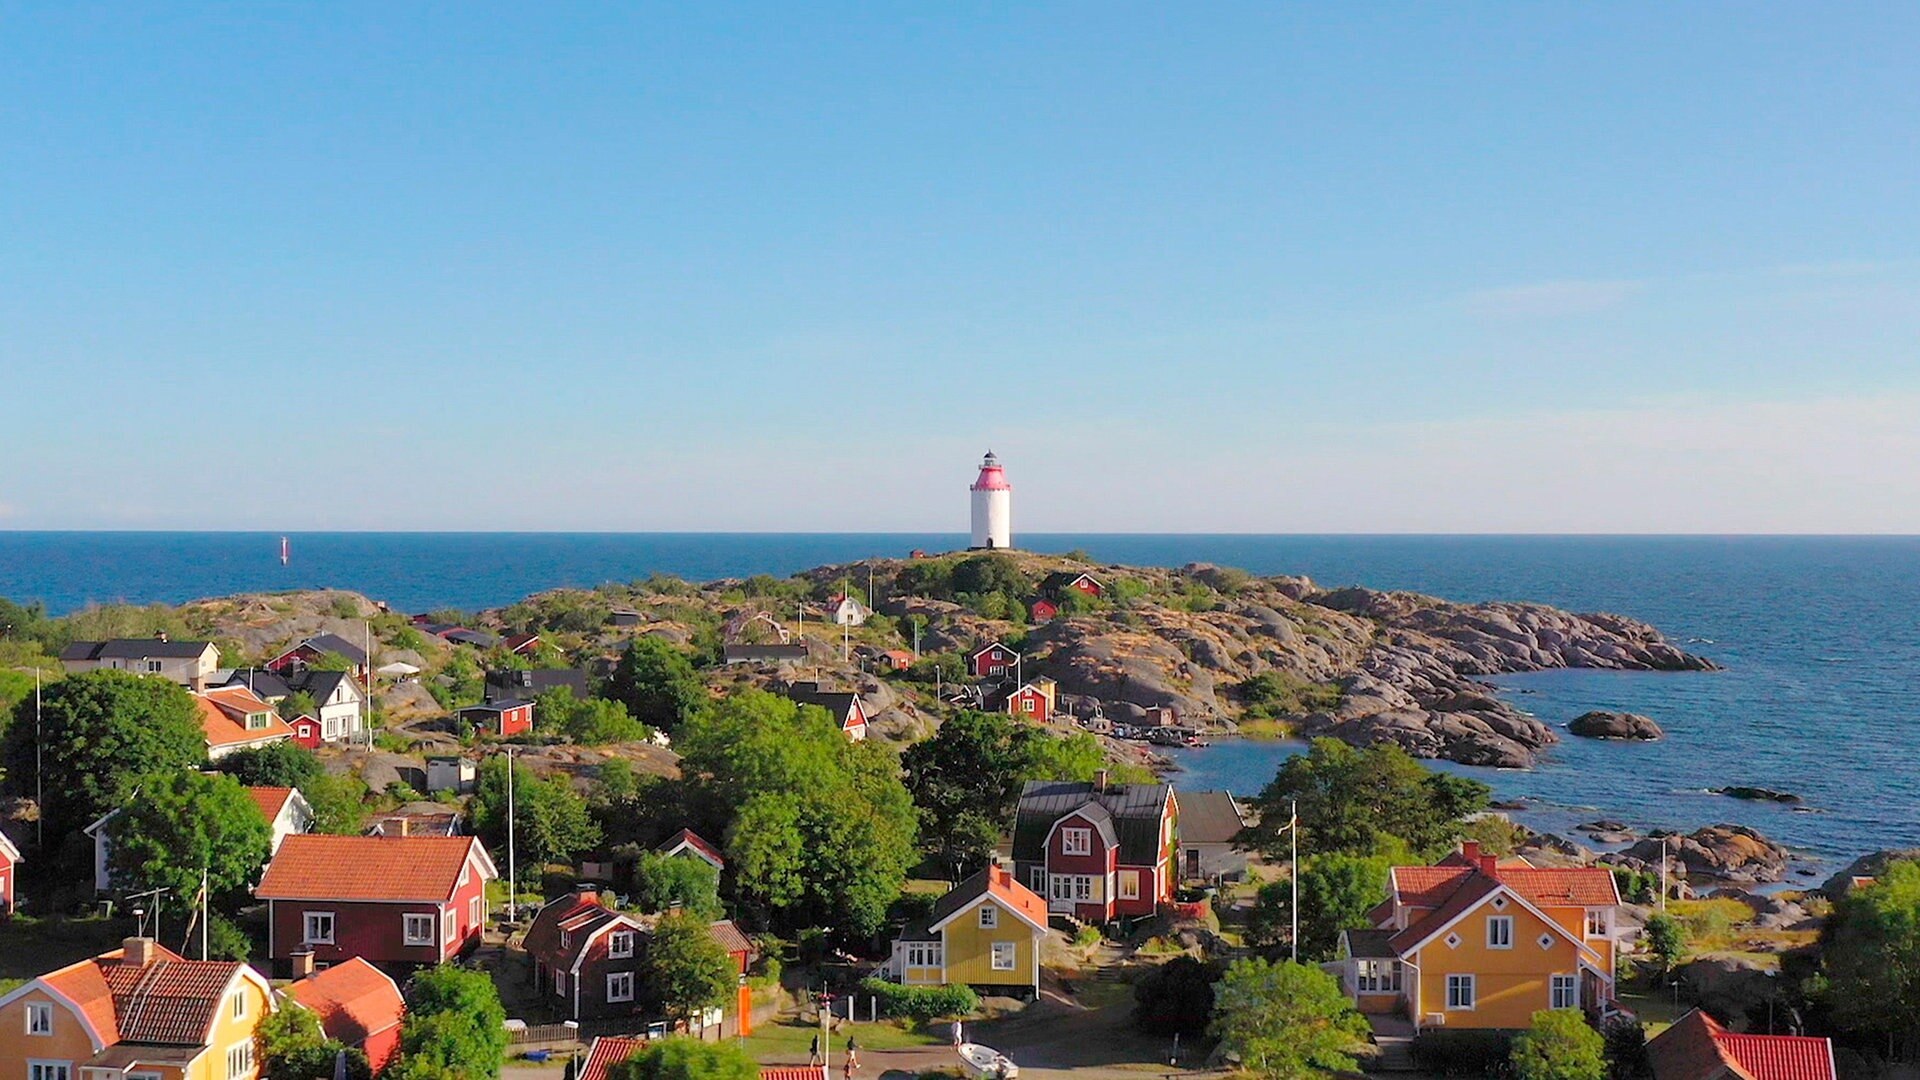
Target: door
{"points": [[1193, 862]]}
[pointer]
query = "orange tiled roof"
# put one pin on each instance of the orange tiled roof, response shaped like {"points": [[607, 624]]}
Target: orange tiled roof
{"points": [[223, 715], [1697, 1048], [353, 1000], [1464, 878], [607, 1051], [271, 800], [792, 1072], [315, 867]]}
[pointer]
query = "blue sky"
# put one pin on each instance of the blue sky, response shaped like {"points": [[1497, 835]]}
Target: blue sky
{"points": [[1298, 268]]}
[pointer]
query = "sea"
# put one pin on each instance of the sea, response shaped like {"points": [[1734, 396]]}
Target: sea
{"points": [[1819, 638]]}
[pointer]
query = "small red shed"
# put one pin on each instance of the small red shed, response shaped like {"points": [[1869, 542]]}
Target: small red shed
{"points": [[500, 719]]}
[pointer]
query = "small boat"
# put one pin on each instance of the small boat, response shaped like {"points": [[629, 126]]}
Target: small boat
{"points": [[987, 1063]]}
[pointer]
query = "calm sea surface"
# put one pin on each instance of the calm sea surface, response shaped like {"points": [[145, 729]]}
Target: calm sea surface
{"points": [[1820, 637]]}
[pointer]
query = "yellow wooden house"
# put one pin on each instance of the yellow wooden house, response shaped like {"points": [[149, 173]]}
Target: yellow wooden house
{"points": [[986, 932]]}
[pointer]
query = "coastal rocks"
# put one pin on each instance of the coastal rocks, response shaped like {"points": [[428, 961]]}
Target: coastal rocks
{"points": [[1463, 737], [1615, 725], [1866, 867], [1756, 794], [1546, 849], [1731, 853], [1609, 831]]}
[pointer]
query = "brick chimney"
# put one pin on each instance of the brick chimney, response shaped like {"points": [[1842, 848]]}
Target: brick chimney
{"points": [[1100, 780], [1470, 851], [139, 951], [302, 962]]}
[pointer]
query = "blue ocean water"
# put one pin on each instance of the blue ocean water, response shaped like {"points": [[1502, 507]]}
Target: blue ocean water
{"points": [[1820, 637]]}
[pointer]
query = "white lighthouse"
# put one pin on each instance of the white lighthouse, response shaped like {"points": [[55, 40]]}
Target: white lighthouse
{"points": [[992, 506]]}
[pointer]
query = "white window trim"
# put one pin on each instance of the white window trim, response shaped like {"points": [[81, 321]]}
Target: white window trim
{"points": [[615, 943], [925, 954], [989, 917], [1554, 985], [40, 1009], [1599, 915], [307, 936], [1129, 885], [1499, 923], [412, 938], [47, 1066], [243, 1066], [1076, 841], [623, 979], [560, 982], [238, 1002], [1473, 992], [1008, 949]]}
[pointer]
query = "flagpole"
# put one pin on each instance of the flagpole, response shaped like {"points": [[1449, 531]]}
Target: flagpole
{"points": [[39, 774], [1293, 826], [513, 909], [204, 914]]}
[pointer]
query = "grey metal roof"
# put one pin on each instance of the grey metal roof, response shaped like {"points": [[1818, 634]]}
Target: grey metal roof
{"points": [[744, 653], [527, 684], [1208, 817], [1135, 809], [1370, 944], [334, 643], [133, 649], [266, 685]]}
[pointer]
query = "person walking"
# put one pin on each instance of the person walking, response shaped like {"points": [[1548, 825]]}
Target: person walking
{"points": [[959, 1035], [853, 1055], [813, 1051]]}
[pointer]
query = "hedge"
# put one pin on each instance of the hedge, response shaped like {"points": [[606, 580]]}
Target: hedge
{"points": [[922, 1002], [1463, 1052]]}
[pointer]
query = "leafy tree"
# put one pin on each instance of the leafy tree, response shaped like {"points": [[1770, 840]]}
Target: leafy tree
{"points": [[1175, 998], [185, 822], [687, 968], [660, 881], [291, 1046], [1560, 1045], [455, 1027], [281, 764], [589, 721], [101, 733], [617, 779], [1871, 949], [683, 1058], [1286, 1021], [657, 683], [551, 820], [1626, 1049], [989, 573], [1336, 892], [297, 704], [1666, 941], [338, 801], [330, 661], [465, 685], [1352, 800], [819, 829]]}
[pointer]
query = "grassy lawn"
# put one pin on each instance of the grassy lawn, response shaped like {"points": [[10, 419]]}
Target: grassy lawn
{"points": [[30, 946], [1655, 1009], [787, 1040]]}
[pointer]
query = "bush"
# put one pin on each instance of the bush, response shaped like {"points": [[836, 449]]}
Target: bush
{"points": [[1559, 1046], [1087, 937], [922, 1002], [1175, 998], [1463, 1052]]}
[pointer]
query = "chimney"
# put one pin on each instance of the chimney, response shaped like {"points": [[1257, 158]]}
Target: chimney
{"points": [[1489, 864], [1470, 851], [302, 964], [1100, 780], [139, 951]]}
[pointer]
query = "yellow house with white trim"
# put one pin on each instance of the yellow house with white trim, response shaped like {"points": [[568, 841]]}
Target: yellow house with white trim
{"points": [[986, 932]]}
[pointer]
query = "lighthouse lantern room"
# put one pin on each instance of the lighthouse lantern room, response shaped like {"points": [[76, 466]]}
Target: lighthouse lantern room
{"points": [[992, 506]]}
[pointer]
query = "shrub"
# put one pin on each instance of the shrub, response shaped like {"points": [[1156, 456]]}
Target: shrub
{"points": [[1462, 1052], [1176, 997], [1559, 1046], [922, 1002], [1087, 937]]}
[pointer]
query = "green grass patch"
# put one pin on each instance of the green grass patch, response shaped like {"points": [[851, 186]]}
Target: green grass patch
{"points": [[787, 1040], [1265, 728]]}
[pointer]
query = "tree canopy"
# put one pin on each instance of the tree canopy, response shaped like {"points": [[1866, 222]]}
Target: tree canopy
{"points": [[1336, 892], [1286, 1021], [685, 1058], [455, 1027], [588, 721], [291, 1046], [1175, 998], [184, 822], [1871, 951], [1359, 800], [101, 733], [661, 881], [819, 829], [657, 683], [281, 764], [689, 970], [551, 820], [1560, 1045]]}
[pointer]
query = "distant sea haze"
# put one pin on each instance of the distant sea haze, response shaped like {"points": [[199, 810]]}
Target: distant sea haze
{"points": [[1819, 637]]}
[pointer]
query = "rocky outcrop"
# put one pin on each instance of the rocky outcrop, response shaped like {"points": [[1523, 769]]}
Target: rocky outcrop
{"points": [[1756, 794], [1865, 867], [1609, 831], [1730, 853], [1615, 725]]}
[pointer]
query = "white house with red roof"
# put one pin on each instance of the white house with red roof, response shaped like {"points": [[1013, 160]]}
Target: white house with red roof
{"points": [[235, 718], [390, 900], [692, 844]]}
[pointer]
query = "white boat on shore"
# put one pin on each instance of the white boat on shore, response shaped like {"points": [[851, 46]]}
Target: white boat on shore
{"points": [[987, 1063]]}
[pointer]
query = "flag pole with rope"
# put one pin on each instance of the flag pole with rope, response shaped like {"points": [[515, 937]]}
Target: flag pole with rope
{"points": [[1293, 872]]}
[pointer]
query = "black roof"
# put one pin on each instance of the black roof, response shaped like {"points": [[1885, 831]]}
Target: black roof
{"points": [[320, 684], [1135, 809], [1370, 944], [527, 684], [1208, 817], [267, 685], [339, 646], [496, 706], [838, 703], [133, 649], [477, 638]]}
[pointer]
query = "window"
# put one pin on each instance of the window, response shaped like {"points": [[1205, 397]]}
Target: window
{"points": [[49, 1070], [39, 1018], [153, 667], [240, 1060], [450, 926], [1037, 879], [237, 1004], [1500, 932], [419, 929], [474, 914], [620, 986], [620, 945], [1076, 841], [559, 983], [1376, 976], [1565, 993], [923, 954], [257, 721], [1459, 991], [989, 917], [330, 728], [1596, 922], [1004, 955], [1129, 884], [319, 928]]}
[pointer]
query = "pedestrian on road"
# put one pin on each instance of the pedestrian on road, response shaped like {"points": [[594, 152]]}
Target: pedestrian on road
{"points": [[846, 1069], [853, 1054], [958, 1034], [813, 1051]]}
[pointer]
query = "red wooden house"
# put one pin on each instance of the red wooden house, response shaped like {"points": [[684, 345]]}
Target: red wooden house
{"points": [[1032, 700], [992, 661], [1098, 851], [1056, 585], [1044, 611], [9, 863], [398, 901], [356, 1004], [589, 960], [308, 653], [306, 731], [500, 719]]}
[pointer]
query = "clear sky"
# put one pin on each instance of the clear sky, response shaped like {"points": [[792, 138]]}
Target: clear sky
{"points": [[1289, 268]]}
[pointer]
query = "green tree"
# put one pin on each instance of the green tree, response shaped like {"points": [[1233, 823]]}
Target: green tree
{"points": [[291, 1046], [661, 881], [1560, 1045], [1286, 1021], [552, 823], [683, 1058], [101, 733], [689, 970], [657, 683], [588, 721], [184, 823], [1666, 941], [1352, 800], [988, 573], [339, 802], [297, 704], [1175, 998], [281, 764], [1871, 951], [455, 1027], [1336, 892]]}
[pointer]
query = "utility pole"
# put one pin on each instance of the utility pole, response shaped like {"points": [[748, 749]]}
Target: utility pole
{"points": [[39, 774], [513, 898]]}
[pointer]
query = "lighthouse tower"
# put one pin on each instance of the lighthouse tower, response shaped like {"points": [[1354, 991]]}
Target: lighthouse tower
{"points": [[992, 506]]}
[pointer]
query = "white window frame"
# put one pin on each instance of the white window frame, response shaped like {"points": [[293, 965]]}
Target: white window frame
{"points": [[989, 917], [619, 986], [1563, 992], [925, 954], [1466, 983], [1376, 976], [237, 1004], [41, 1011], [449, 927], [1597, 923], [620, 945], [560, 982], [155, 667], [1037, 879], [1006, 955], [1499, 931], [474, 914], [1076, 841], [308, 937], [1129, 884], [240, 1061], [1083, 888], [41, 1069], [411, 937]]}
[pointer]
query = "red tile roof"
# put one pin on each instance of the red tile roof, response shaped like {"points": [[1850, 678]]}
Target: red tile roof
{"points": [[696, 841], [792, 1072], [607, 1051], [318, 867], [223, 716], [169, 1001], [271, 800], [1465, 878], [1697, 1048], [353, 1000]]}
